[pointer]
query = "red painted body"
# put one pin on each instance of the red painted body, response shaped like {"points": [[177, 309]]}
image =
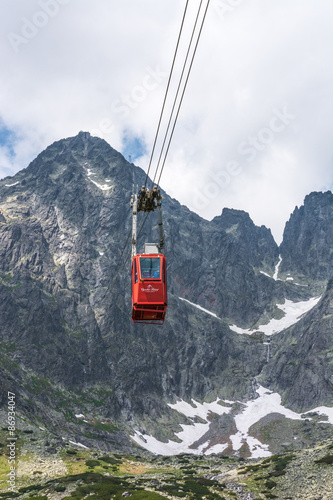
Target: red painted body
{"points": [[149, 288]]}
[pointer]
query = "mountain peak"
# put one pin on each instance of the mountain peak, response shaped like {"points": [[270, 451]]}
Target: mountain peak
{"points": [[75, 158], [318, 196], [84, 134], [308, 237], [231, 216]]}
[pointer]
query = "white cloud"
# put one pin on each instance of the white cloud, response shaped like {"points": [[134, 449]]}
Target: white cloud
{"points": [[103, 65]]}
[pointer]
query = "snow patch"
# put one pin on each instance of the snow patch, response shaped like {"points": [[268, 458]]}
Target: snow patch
{"points": [[276, 272], [187, 436], [10, 185], [81, 417], [216, 448], [199, 307], [254, 410], [103, 187], [293, 311], [199, 410], [288, 278], [78, 444], [323, 410], [190, 433]]}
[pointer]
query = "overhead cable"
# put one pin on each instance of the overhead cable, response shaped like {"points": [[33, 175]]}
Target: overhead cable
{"points": [[178, 89], [182, 96], [167, 90]]}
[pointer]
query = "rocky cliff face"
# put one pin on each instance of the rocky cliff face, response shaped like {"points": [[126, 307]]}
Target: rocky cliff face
{"points": [[65, 310], [307, 247], [302, 367]]}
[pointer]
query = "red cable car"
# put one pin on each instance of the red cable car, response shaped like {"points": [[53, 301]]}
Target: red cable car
{"points": [[149, 284], [149, 287]]}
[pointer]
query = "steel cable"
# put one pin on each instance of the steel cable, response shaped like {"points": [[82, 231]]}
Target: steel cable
{"points": [[167, 90], [182, 96], [178, 88], [172, 111]]}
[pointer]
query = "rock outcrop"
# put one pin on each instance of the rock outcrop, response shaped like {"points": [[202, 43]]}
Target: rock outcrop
{"points": [[307, 247]]}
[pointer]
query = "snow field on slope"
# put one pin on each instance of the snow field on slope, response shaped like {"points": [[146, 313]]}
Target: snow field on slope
{"points": [[103, 187], [190, 433], [293, 311], [254, 410], [200, 308]]}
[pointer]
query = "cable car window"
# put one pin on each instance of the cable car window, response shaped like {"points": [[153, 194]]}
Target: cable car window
{"points": [[135, 272], [150, 267]]}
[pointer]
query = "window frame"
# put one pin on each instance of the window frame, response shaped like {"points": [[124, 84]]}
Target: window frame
{"points": [[142, 278]]}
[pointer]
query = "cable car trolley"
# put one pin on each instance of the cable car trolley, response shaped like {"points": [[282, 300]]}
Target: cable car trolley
{"points": [[149, 283]]}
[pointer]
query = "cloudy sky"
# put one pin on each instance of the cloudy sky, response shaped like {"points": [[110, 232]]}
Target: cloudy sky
{"points": [[255, 128]]}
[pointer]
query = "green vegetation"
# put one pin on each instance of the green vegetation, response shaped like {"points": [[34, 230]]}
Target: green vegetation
{"points": [[196, 488], [105, 426], [270, 484], [98, 476], [254, 468], [6, 279], [60, 488], [71, 452], [92, 463], [261, 477], [100, 487], [39, 497], [33, 487], [110, 460], [328, 459], [281, 462]]}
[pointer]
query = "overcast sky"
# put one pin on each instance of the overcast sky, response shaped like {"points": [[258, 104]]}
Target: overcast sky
{"points": [[255, 129]]}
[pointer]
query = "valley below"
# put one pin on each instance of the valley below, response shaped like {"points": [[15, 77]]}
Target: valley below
{"points": [[75, 472]]}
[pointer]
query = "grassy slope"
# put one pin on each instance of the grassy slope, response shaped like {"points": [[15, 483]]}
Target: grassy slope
{"points": [[77, 473]]}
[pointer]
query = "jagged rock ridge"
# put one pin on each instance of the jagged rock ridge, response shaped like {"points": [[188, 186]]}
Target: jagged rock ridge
{"points": [[307, 247]]}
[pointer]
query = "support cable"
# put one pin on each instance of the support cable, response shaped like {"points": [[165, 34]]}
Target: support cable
{"points": [[182, 96], [178, 88], [181, 99], [167, 90], [129, 253]]}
